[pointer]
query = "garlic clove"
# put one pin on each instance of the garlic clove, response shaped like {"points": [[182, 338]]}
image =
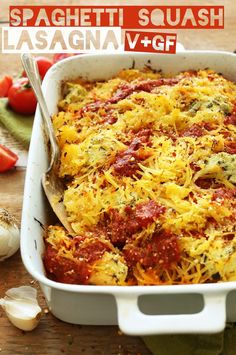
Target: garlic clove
{"points": [[9, 235], [22, 315], [21, 307], [23, 292]]}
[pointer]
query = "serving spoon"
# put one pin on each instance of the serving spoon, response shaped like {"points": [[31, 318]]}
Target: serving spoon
{"points": [[52, 185]]}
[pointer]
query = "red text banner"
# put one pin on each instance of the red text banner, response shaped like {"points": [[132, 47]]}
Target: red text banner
{"points": [[129, 17]]}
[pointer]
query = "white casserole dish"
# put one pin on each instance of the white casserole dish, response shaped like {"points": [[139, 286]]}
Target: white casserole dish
{"points": [[138, 310]]}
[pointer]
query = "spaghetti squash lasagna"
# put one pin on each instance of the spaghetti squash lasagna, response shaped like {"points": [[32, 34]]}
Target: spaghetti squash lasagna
{"points": [[149, 166]]}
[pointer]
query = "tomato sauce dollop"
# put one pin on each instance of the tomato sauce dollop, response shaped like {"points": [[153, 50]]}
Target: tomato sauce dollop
{"points": [[120, 228], [127, 162], [126, 90], [64, 270], [231, 119], [230, 147], [162, 250], [224, 194], [78, 269], [194, 131]]}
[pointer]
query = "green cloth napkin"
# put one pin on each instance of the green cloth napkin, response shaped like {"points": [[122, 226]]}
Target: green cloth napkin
{"points": [[223, 343], [19, 126], [195, 344], [211, 344]]}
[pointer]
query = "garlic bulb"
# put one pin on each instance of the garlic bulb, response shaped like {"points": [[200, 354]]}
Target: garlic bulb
{"points": [[21, 307], [9, 235]]}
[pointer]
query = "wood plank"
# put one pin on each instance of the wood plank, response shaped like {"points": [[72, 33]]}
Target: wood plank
{"points": [[11, 191], [53, 336]]}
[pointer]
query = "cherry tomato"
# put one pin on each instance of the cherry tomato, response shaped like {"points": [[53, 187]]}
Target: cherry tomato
{"points": [[21, 97], [43, 65], [5, 84], [59, 56], [7, 158]]}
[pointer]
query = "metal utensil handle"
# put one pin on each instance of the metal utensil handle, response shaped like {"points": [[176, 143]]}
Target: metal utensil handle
{"points": [[132, 321], [31, 69]]}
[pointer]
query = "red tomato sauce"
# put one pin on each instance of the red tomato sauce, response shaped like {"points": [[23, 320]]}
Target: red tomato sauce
{"points": [[197, 130], [224, 194], [64, 270], [161, 250], [230, 147], [231, 119], [126, 90], [120, 228], [77, 271], [126, 162]]}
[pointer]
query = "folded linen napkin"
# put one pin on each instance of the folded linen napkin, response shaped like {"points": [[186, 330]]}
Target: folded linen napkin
{"points": [[19, 126], [223, 343]]}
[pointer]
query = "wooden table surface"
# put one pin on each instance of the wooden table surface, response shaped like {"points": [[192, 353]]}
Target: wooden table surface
{"points": [[53, 336]]}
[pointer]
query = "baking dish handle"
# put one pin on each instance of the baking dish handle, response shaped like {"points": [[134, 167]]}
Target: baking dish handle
{"points": [[211, 319]]}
